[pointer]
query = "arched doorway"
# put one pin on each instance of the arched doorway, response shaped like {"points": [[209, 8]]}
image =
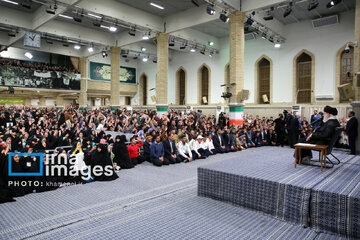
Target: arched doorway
{"points": [[204, 85], [263, 80], [304, 77], [181, 86], [143, 90], [344, 69]]}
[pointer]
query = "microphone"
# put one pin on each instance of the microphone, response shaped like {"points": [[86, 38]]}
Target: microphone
{"points": [[316, 121]]}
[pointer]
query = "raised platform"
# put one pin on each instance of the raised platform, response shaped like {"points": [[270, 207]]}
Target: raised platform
{"points": [[267, 181]]}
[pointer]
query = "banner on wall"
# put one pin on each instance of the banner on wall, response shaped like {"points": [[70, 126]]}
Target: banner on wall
{"points": [[12, 101], [102, 72], [26, 77]]}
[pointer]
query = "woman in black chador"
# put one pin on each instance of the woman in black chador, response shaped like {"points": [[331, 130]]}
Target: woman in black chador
{"points": [[121, 153], [101, 157]]}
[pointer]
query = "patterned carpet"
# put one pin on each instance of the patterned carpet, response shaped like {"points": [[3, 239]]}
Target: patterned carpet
{"points": [[277, 188], [146, 203]]}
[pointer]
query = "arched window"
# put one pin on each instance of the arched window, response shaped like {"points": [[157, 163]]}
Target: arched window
{"points": [[143, 90], [204, 76], [346, 68], [128, 101], [304, 75], [263, 81], [181, 87]]}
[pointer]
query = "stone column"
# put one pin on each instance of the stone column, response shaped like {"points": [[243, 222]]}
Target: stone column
{"points": [[83, 84], [115, 78], [162, 73], [356, 104], [237, 42], [59, 102], [42, 102]]}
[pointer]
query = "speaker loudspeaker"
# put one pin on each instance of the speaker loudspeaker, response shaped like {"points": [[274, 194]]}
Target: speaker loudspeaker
{"points": [[204, 100], [358, 79], [265, 98], [346, 90], [244, 94]]}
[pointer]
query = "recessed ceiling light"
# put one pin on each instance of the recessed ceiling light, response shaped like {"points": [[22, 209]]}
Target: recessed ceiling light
{"points": [[157, 6]]}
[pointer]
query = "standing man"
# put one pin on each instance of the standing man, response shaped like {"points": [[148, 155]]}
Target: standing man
{"points": [[351, 131]]}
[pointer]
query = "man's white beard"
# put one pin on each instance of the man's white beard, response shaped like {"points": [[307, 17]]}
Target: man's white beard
{"points": [[325, 119]]}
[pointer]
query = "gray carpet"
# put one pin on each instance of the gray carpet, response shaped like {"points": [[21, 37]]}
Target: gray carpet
{"points": [[146, 202]]}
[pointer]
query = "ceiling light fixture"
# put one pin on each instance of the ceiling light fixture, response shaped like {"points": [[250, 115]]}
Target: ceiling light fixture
{"points": [[268, 17], [132, 31], [210, 9], [65, 44], [50, 10], [104, 54], [249, 21], [112, 28], [143, 49], [211, 54], [90, 48], [333, 3], [263, 36], [96, 24], [146, 36], [12, 34], [211, 43], [77, 46], [183, 46], [193, 49], [223, 17], [49, 41], [288, 10], [313, 4], [77, 19], [202, 51], [172, 43], [95, 16], [65, 16], [157, 6], [28, 55], [145, 59], [11, 2], [277, 45]]}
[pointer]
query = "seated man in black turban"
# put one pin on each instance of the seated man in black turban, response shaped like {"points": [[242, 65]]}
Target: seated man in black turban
{"points": [[323, 134]]}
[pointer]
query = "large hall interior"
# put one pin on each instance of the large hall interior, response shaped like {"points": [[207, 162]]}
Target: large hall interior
{"points": [[208, 119]]}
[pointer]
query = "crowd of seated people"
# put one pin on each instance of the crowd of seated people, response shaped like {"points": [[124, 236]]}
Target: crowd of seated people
{"points": [[44, 67], [173, 138]]}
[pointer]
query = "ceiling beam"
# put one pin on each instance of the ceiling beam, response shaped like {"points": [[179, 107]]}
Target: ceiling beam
{"points": [[189, 18], [124, 13], [193, 35], [250, 5]]}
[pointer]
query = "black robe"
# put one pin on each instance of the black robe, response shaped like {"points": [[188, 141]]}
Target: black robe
{"points": [[102, 158], [121, 153]]}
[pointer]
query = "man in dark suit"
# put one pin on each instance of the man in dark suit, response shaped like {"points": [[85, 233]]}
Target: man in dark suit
{"points": [[219, 142], [323, 134], [352, 131], [228, 140], [170, 150]]}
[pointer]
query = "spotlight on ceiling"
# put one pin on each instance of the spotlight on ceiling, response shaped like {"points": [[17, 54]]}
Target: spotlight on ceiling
{"points": [[193, 49], [146, 36], [211, 54], [143, 49], [104, 54], [96, 24], [28, 55], [77, 19], [333, 3], [210, 9], [288, 10], [202, 51], [91, 49], [112, 28], [145, 59], [65, 44], [312, 5], [157, 6], [77, 46], [268, 16], [263, 35], [172, 43], [211, 43], [11, 2], [223, 17], [271, 39], [277, 45], [249, 21], [196, 3], [132, 32], [26, 4], [183, 46], [50, 10], [155, 61], [12, 34]]}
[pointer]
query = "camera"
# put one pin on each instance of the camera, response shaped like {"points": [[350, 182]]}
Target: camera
{"points": [[347, 48]]}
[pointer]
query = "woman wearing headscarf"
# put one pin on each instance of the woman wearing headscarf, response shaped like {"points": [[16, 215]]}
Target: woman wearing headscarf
{"points": [[121, 153], [101, 158]]}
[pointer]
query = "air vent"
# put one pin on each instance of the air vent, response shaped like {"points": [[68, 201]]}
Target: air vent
{"points": [[325, 21], [249, 36], [324, 98]]}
